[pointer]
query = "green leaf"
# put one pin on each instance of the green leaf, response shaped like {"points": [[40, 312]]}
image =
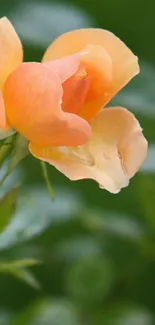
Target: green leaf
{"points": [[17, 269], [35, 212], [6, 148], [18, 264], [20, 151], [26, 276], [7, 208], [6, 134]]}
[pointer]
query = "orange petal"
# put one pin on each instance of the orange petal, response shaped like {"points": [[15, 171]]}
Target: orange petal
{"points": [[65, 67], [11, 53], [124, 62], [89, 83], [98, 65], [32, 95], [112, 156], [2, 112], [5, 129], [75, 91]]}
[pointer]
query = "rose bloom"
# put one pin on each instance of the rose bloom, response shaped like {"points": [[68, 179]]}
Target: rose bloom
{"points": [[58, 105]]}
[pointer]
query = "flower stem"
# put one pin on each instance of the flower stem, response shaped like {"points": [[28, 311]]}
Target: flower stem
{"points": [[47, 181]]}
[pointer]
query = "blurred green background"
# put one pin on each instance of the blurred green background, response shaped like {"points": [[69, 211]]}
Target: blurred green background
{"points": [[97, 250]]}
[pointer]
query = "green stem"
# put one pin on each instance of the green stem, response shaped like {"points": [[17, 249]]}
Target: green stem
{"points": [[46, 178]]}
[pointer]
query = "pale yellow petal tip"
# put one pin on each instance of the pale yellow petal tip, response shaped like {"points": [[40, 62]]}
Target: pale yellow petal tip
{"points": [[134, 152], [114, 187], [11, 54], [7, 27], [5, 21], [132, 158], [137, 65]]}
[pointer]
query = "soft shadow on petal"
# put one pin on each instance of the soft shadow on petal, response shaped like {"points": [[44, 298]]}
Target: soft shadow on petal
{"points": [[124, 62], [75, 91], [32, 95], [89, 85], [131, 157], [2, 112], [99, 65], [65, 67], [114, 153], [11, 53]]}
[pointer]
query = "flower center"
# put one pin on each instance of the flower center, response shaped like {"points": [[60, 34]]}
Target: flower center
{"points": [[75, 91]]}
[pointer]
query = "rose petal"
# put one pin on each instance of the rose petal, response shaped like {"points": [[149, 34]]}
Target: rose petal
{"points": [[11, 53], [88, 86], [99, 65], [75, 91], [125, 65], [112, 156], [2, 112], [5, 129], [32, 95], [65, 67]]}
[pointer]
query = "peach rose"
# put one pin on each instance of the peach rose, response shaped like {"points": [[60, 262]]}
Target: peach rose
{"points": [[58, 105]]}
